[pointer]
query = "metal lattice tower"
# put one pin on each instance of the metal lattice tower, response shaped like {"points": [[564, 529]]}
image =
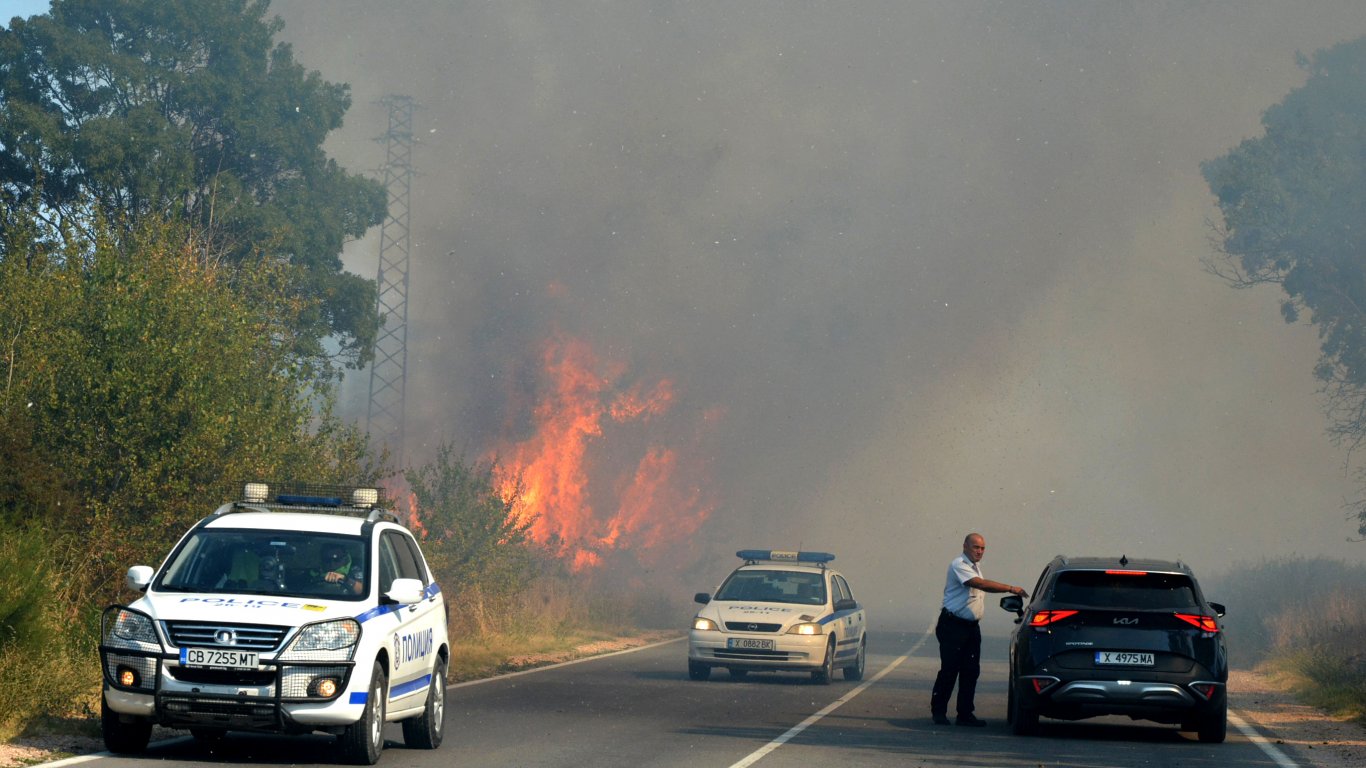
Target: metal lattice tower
{"points": [[388, 373]]}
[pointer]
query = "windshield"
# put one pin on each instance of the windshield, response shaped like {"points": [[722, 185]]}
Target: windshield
{"points": [[278, 563], [798, 587], [1099, 589]]}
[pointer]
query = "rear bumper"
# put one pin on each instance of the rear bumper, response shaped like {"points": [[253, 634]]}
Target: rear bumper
{"points": [[1160, 701]]}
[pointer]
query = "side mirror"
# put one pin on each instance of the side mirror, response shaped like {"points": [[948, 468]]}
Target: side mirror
{"points": [[847, 604], [701, 597], [1218, 608], [1014, 604], [405, 591], [138, 577]]}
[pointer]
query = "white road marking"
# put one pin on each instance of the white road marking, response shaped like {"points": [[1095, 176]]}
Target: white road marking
{"points": [[1278, 757], [483, 680], [74, 760], [758, 754]]}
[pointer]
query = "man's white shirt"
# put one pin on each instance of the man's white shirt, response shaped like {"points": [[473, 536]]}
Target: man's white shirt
{"points": [[959, 599]]}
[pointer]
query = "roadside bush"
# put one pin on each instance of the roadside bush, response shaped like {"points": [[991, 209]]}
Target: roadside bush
{"points": [[1305, 619], [48, 640], [471, 538], [1274, 605]]}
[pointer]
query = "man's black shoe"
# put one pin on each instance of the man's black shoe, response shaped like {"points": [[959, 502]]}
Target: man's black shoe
{"points": [[941, 720], [969, 720]]}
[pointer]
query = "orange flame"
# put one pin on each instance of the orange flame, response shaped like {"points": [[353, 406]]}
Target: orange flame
{"points": [[586, 429]]}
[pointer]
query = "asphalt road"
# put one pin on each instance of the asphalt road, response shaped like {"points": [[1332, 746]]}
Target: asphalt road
{"points": [[639, 708]]}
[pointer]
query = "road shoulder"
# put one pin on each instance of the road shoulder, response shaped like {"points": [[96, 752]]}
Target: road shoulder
{"points": [[1311, 735]]}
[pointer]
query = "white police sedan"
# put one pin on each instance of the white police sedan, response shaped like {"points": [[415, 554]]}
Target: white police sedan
{"points": [[779, 611]]}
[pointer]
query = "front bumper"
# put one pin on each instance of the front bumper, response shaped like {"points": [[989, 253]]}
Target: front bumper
{"points": [[272, 699], [789, 652]]}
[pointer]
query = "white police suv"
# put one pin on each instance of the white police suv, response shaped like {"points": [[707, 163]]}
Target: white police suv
{"points": [[291, 611], [780, 610]]}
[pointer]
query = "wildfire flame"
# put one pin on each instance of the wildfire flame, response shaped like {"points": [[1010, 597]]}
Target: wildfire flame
{"points": [[583, 478]]}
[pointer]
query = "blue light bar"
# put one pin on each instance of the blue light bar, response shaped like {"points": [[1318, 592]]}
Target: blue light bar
{"points": [[309, 501], [784, 556]]}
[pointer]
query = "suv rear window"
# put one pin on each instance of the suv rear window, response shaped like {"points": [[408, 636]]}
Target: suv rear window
{"points": [[1098, 589]]}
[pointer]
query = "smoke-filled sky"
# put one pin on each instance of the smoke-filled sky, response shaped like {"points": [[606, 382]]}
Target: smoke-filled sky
{"points": [[905, 269]]}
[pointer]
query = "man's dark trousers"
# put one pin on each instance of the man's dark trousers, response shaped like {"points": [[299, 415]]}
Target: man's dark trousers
{"points": [[960, 653]]}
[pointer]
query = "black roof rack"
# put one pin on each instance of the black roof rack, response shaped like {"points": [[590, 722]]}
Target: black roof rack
{"points": [[349, 500]]}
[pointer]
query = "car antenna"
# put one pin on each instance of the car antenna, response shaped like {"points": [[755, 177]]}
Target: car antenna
{"points": [[1123, 559]]}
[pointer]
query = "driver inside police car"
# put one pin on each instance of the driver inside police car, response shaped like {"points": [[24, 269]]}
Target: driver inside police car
{"points": [[337, 568]]}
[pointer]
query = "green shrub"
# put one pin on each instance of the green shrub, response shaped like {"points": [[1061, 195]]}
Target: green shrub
{"points": [[48, 639], [23, 582]]}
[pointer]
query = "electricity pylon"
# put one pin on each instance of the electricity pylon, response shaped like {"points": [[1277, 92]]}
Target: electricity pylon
{"points": [[389, 370]]}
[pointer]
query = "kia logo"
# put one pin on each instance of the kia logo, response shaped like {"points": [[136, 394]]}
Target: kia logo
{"points": [[225, 637], [1126, 621]]}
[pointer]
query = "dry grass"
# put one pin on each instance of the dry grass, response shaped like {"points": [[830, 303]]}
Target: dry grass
{"points": [[1305, 622], [57, 694]]}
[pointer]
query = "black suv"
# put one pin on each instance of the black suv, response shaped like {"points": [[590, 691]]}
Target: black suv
{"points": [[1114, 636]]}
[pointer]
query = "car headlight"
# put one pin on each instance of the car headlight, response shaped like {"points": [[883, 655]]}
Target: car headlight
{"points": [[324, 641], [806, 628], [706, 625], [131, 630]]}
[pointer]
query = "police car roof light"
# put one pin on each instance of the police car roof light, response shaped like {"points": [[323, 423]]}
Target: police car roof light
{"points": [[784, 556], [255, 493], [309, 501]]}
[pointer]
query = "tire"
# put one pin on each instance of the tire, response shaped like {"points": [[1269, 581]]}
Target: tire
{"points": [[427, 729], [362, 742], [738, 674], [1213, 728], [854, 672], [826, 673], [698, 671], [1024, 719], [123, 737]]}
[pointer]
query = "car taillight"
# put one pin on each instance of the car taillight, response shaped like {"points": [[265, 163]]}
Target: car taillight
{"points": [[1202, 623], [1127, 573], [1044, 618]]}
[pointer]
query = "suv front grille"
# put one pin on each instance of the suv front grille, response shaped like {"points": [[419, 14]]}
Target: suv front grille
{"points": [[249, 637]]}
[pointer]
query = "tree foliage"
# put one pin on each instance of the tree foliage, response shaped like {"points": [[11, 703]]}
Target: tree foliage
{"points": [[1294, 215], [471, 535], [127, 109], [158, 378]]}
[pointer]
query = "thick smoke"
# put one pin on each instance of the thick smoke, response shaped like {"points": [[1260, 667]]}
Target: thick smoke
{"points": [[930, 267]]}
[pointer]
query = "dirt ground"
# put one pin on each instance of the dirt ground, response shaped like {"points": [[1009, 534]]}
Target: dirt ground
{"points": [[1307, 733]]}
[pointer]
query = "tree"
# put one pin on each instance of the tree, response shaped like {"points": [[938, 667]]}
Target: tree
{"points": [[160, 378], [472, 535], [1294, 215], [128, 109]]}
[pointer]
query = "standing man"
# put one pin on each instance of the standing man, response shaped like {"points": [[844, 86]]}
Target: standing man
{"points": [[960, 638]]}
